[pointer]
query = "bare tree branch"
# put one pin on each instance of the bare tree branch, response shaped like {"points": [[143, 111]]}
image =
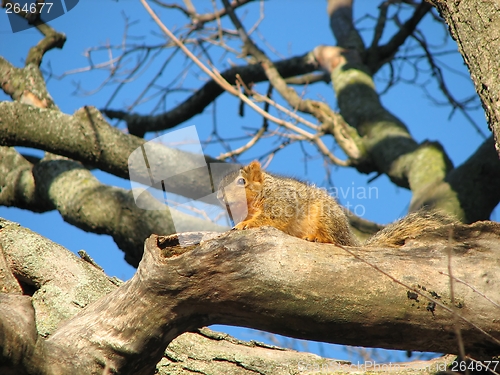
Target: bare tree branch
{"points": [[474, 184], [393, 151], [342, 25], [87, 204], [377, 56], [25, 85], [183, 288], [19, 335], [139, 125], [88, 138], [198, 20], [51, 40], [348, 141], [215, 75]]}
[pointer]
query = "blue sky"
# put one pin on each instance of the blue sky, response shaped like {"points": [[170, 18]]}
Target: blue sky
{"points": [[292, 28]]}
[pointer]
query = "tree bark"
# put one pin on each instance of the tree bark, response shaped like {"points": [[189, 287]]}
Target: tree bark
{"points": [[86, 137], [393, 298], [475, 27]]}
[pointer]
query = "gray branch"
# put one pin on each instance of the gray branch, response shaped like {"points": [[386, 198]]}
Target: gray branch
{"points": [[394, 298]]}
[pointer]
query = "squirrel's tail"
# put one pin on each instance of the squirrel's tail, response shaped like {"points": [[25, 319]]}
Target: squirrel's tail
{"points": [[411, 226]]}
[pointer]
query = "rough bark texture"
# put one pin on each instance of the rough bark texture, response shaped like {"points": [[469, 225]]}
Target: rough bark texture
{"points": [[215, 353], [475, 27], [258, 278], [88, 138]]}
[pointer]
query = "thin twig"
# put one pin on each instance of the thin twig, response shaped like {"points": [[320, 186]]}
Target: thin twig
{"points": [[317, 109], [278, 106], [458, 332], [472, 287], [245, 147], [217, 77]]}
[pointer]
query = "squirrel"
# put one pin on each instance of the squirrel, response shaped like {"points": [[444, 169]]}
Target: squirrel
{"points": [[255, 198]]}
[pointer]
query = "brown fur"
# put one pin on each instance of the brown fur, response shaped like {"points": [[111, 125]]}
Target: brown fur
{"points": [[256, 198], [294, 207], [415, 223]]}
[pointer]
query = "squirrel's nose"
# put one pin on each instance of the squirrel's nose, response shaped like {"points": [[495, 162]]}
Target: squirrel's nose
{"points": [[220, 195]]}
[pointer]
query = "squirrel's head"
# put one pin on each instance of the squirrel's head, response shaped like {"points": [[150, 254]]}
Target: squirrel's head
{"points": [[239, 188]]}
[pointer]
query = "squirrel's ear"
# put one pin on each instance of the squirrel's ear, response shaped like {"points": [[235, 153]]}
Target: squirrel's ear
{"points": [[255, 166], [254, 171]]}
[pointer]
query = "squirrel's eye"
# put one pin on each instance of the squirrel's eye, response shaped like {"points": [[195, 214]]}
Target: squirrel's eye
{"points": [[240, 181]]}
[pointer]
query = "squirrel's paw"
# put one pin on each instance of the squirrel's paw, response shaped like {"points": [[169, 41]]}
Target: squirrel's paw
{"points": [[241, 226], [310, 238]]}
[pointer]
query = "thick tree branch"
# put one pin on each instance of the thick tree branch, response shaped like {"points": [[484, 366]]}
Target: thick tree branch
{"points": [[87, 204], [46, 269], [295, 288], [25, 85], [298, 297], [218, 353], [58, 282], [88, 138], [52, 39], [386, 138], [474, 184], [9, 283], [18, 184], [84, 136], [478, 177], [342, 25], [391, 149]]}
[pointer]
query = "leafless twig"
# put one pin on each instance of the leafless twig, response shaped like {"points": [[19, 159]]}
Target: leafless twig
{"points": [[217, 77]]}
